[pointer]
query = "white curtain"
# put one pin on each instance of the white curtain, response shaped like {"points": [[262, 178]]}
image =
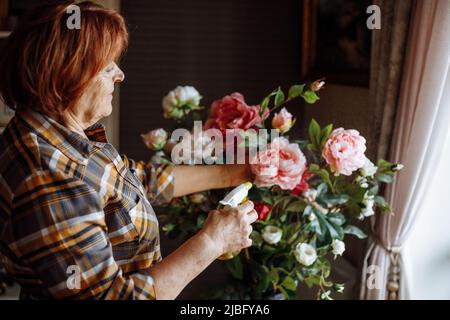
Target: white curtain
{"points": [[421, 125]]}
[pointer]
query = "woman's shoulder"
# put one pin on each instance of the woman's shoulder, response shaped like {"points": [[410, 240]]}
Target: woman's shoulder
{"points": [[22, 153]]}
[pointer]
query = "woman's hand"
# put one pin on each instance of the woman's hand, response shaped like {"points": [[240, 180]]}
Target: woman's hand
{"points": [[225, 230], [229, 229]]}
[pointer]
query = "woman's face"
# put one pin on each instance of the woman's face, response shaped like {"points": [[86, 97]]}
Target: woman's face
{"points": [[96, 102]]}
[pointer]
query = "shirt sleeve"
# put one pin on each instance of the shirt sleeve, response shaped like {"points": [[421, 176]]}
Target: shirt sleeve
{"points": [[58, 229], [158, 180]]}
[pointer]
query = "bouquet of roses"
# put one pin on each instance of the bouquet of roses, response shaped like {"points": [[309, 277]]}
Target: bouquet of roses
{"points": [[307, 193]]}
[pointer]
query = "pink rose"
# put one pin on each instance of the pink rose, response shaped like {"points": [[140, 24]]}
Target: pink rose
{"points": [[282, 163], [231, 112], [282, 121], [344, 151]]}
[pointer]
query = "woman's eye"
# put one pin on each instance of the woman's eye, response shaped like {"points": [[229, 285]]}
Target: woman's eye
{"points": [[109, 69]]}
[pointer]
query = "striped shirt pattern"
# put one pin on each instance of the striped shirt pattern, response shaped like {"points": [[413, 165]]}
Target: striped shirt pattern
{"points": [[75, 216]]}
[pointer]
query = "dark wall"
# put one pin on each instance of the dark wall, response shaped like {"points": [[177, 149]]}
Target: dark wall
{"points": [[217, 46]]}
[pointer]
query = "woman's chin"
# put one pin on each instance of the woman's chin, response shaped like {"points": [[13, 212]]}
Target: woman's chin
{"points": [[108, 110]]}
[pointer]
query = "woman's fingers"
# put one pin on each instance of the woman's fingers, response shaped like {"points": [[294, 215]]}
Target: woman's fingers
{"points": [[248, 230], [245, 207], [252, 216]]}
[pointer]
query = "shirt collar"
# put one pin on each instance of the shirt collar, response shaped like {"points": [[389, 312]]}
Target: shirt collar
{"points": [[72, 144]]}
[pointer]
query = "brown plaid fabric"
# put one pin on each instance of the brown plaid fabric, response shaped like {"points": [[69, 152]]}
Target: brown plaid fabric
{"points": [[70, 207]]}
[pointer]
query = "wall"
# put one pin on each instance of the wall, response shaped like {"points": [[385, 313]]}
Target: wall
{"points": [[217, 46]]}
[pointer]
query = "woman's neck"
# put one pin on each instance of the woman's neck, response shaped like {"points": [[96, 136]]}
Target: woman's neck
{"points": [[73, 123]]}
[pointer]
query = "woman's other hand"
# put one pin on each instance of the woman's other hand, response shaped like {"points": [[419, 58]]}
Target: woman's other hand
{"points": [[229, 228], [238, 174]]}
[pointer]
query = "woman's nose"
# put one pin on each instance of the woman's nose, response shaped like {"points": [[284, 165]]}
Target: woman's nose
{"points": [[120, 76]]}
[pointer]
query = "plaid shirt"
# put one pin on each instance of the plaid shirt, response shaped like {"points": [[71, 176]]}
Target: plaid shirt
{"points": [[75, 217]]}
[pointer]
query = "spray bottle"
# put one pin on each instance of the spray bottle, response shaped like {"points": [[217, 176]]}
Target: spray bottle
{"points": [[233, 199]]}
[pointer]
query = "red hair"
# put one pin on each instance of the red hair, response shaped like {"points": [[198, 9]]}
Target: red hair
{"points": [[46, 66]]}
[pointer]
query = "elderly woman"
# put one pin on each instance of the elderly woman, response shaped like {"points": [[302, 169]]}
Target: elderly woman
{"points": [[70, 205]]}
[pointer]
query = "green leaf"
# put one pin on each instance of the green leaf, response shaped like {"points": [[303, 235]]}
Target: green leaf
{"points": [[279, 97], [296, 206], [314, 132], [336, 231], [284, 292], [322, 189], [311, 147], [264, 105], [336, 218], [273, 275], [296, 91], [336, 199], [379, 200], [289, 283], [382, 177], [257, 239], [326, 133], [263, 283], [383, 164], [312, 280], [235, 267], [355, 231], [324, 174], [310, 96]]}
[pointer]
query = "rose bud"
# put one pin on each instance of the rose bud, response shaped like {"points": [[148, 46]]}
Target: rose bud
{"points": [[155, 139], [283, 121], [318, 84], [263, 210]]}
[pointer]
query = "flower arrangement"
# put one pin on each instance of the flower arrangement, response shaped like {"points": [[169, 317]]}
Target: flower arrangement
{"points": [[307, 193]]}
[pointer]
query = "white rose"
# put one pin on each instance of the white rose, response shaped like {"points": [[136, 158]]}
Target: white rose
{"points": [[187, 95], [338, 247], [368, 202], [272, 234], [305, 254], [362, 182], [369, 169], [179, 101], [169, 102]]}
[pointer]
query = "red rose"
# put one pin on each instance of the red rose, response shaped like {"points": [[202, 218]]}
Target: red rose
{"points": [[303, 185], [231, 112], [263, 210]]}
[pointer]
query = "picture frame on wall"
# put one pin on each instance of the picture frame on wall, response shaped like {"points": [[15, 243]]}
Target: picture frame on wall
{"points": [[336, 42]]}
